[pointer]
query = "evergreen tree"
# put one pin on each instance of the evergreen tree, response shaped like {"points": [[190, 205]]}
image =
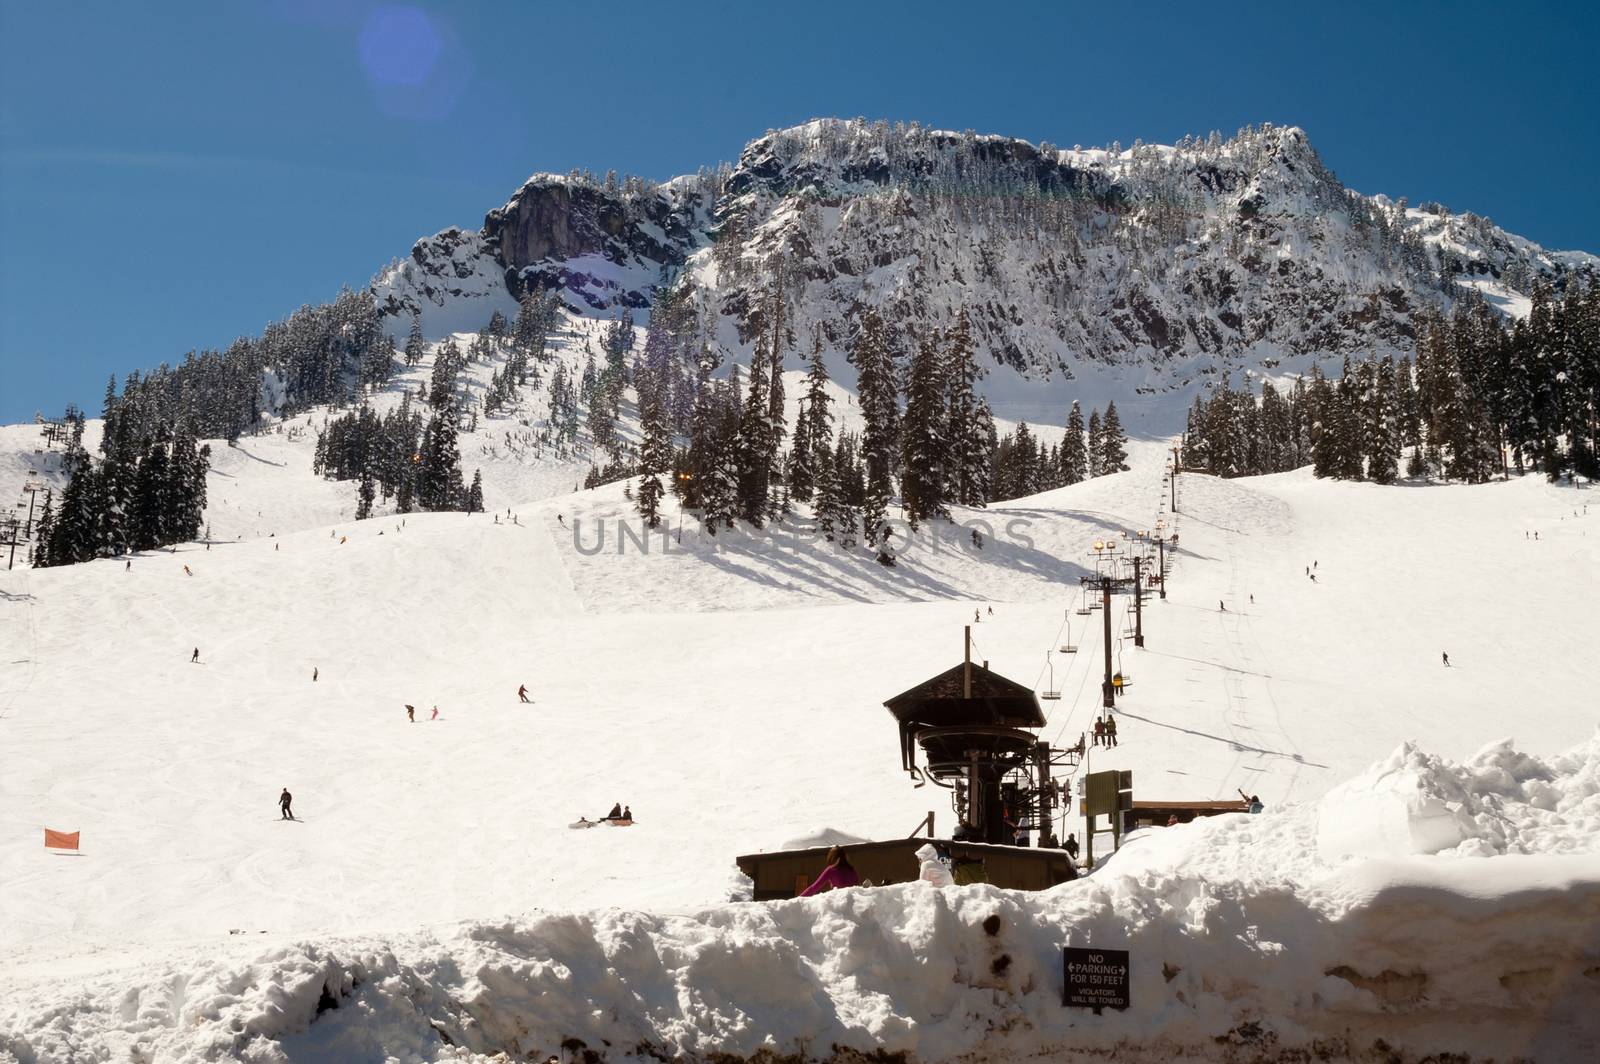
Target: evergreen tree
{"points": [[1113, 447], [967, 472], [1097, 464], [879, 397], [1074, 453], [813, 434], [475, 492], [925, 445]]}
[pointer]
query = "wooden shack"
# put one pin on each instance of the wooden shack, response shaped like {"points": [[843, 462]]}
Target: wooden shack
{"points": [[1156, 813], [785, 873]]}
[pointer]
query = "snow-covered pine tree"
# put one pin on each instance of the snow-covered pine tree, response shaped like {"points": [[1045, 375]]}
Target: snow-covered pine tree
{"points": [[777, 496], [1383, 426], [1096, 459], [655, 454], [813, 435], [875, 383], [1113, 442], [1074, 453], [475, 492], [753, 449], [967, 472], [925, 446]]}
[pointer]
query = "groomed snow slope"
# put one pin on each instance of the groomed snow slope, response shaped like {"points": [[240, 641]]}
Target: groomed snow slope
{"points": [[733, 699]]}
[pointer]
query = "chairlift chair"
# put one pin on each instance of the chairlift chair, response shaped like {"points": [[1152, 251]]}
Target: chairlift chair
{"points": [[1069, 647], [1051, 692]]}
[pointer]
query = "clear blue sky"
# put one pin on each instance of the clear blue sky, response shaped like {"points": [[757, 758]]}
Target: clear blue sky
{"points": [[173, 175]]}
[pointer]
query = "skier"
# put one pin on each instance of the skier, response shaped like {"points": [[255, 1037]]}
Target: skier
{"points": [[561, 520], [838, 873], [1071, 845], [1222, 606], [991, 611], [1117, 683], [1111, 731], [195, 657], [1446, 659], [1252, 600], [522, 693], [128, 568], [1099, 732], [435, 713], [187, 571], [313, 674], [284, 801], [411, 714], [627, 814], [1313, 578], [977, 618]]}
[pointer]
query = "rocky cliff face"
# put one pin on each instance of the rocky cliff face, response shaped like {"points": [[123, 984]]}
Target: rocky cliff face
{"points": [[1163, 261]]}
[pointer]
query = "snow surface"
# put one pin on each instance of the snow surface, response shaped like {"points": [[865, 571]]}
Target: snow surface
{"points": [[1448, 899]]}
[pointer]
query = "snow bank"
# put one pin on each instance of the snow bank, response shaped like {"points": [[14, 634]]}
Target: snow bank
{"points": [[1500, 801], [1247, 941]]}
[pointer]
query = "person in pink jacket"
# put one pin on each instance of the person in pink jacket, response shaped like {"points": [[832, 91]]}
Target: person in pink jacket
{"points": [[839, 873]]}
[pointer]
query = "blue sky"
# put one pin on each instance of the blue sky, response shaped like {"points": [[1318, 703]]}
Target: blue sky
{"points": [[173, 175]]}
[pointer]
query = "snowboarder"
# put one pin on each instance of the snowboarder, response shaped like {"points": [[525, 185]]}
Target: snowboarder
{"points": [[187, 571], [1071, 845], [838, 873], [991, 611], [1446, 659], [627, 813], [522, 693], [435, 713], [313, 674], [195, 657], [284, 801], [1111, 731], [411, 714], [1099, 732], [615, 814]]}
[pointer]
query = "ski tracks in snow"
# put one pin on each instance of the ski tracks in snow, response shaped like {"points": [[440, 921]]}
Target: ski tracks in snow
{"points": [[1247, 683]]}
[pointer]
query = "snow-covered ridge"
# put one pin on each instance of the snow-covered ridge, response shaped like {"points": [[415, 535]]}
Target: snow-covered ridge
{"points": [[1160, 265]]}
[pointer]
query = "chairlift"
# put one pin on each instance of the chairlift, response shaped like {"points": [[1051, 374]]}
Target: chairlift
{"points": [[1051, 692], [1069, 647]]}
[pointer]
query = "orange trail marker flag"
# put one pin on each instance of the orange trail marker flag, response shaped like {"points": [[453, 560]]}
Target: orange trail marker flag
{"points": [[60, 840]]}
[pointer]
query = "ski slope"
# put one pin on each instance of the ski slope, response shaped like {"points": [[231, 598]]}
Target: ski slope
{"points": [[733, 698]]}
